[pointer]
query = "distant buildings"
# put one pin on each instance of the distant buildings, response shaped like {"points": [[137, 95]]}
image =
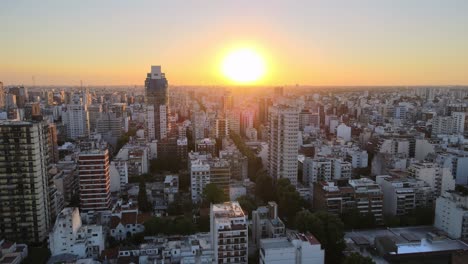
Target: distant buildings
{"points": [[229, 233]]}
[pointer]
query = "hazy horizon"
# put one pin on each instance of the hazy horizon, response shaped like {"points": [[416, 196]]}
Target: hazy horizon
{"points": [[317, 43]]}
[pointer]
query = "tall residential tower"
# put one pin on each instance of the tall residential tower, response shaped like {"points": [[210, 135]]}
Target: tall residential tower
{"points": [[157, 101], [283, 143]]}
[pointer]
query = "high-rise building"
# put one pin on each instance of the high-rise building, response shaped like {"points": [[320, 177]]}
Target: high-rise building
{"points": [[228, 101], [75, 118], [156, 96], [2, 97], [246, 121], [222, 128], [24, 197], [21, 94], [458, 124], [94, 113], [263, 105], [229, 233], [93, 167], [283, 142], [110, 127]]}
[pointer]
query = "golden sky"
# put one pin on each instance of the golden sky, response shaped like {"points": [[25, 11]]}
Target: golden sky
{"points": [[305, 42]]}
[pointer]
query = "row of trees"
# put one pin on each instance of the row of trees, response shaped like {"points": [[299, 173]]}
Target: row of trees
{"points": [[170, 226], [283, 192], [254, 162]]}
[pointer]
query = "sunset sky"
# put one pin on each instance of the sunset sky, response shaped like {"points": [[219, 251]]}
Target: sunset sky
{"points": [[397, 42]]}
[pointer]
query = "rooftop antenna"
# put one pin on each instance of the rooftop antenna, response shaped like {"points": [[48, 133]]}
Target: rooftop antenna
{"points": [[34, 81]]}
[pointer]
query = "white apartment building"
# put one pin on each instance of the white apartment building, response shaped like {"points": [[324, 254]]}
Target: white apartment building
{"points": [[395, 146], [199, 178], [451, 214], [229, 233], [440, 179], [75, 119], [315, 170], [297, 248], [151, 134], [118, 172], [342, 169], [69, 236], [344, 132], [458, 123], [359, 158], [401, 196], [283, 142]]}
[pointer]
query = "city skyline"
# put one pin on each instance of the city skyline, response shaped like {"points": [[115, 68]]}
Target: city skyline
{"points": [[306, 43]]}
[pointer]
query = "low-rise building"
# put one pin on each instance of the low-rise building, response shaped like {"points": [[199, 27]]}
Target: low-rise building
{"points": [[70, 236], [451, 214], [368, 197], [171, 188], [12, 253], [296, 248], [403, 195], [266, 223]]}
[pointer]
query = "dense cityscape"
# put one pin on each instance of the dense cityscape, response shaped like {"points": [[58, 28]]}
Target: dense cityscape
{"points": [[243, 132], [228, 175]]}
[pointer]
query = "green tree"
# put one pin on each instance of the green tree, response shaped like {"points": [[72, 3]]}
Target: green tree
{"points": [[213, 194], [247, 204], [143, 204], [264, 189], [356, 258], [254, 162], [289, 200], [327, 228]]}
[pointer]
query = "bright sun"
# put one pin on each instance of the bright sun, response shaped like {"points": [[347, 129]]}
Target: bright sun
{"points": [[243, 66]]}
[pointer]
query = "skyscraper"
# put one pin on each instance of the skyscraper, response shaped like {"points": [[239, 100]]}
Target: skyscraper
{"points": [[283, 142], [156, 96], [24, 199]]}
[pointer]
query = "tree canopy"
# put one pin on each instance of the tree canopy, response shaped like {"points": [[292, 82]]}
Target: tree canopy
{"points": [[356, 258], [247, 204], [327, 228], [169, 226], [289, 200], [143, 204], [213, 194]]}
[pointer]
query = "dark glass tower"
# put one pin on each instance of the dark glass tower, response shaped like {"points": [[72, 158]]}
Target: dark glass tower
{"points": [[156, 96]]}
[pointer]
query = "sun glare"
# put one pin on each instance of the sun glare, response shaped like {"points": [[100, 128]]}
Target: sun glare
{"points": [[243, 66]]}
